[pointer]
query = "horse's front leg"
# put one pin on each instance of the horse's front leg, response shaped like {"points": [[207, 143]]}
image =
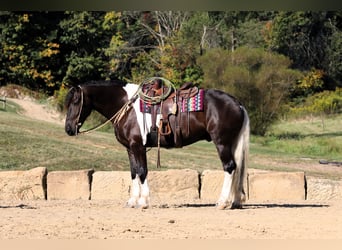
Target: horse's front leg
{"points": [[140, 192]]}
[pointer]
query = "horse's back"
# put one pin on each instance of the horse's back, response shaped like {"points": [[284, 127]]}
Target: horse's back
{"points": [[223, 112]]}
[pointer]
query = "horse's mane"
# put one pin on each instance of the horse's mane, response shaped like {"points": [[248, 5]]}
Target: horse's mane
{"points": [[115, 82], [107, 83]]}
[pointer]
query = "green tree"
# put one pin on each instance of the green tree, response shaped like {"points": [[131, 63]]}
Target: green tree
{"points": [[29, 49], [164, 56], [333, 59], [310, 40], [83, 37]]}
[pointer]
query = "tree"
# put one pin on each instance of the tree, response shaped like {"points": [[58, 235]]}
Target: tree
{"points": [[83, 37], [259, 79], [310, 40], [164, 56], [333, 59], [29, 49]]}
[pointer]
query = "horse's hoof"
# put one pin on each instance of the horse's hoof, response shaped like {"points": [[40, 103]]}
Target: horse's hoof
{"points": [[236, 206], [131, 203], [142, 204], [129, 206], [221, 206]]}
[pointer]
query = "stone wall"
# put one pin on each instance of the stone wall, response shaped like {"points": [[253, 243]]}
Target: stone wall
{"points": [[23, 185], [166, 187]]}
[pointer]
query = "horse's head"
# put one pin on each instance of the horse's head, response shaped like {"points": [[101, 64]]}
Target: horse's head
{"points": [[77, 110]]}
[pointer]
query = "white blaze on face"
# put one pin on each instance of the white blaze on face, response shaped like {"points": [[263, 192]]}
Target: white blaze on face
{"points": [[145, 127]]}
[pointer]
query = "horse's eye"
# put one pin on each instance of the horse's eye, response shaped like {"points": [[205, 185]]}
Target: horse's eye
{"points": [[76, 99]]}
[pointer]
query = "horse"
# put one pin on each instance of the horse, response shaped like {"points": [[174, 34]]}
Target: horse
{"points": [[224, 121]]}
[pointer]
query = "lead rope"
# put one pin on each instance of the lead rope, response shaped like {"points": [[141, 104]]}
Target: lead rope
{"points": [[159, 132], [79, 113]]}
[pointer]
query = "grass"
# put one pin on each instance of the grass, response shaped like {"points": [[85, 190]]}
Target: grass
{"points": [[308, 138], [27, 143]]}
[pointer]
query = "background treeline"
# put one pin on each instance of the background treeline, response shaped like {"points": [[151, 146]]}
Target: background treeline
{"points": [[275, 62]]}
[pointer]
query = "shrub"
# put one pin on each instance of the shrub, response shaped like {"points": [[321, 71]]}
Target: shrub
{"points": [[60, 97], [261, 80], [323, 103]]}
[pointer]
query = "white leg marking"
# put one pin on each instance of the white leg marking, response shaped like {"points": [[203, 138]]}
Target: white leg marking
{"points": [[135, 192], [222, 202], [145, 196], [140, 194]]}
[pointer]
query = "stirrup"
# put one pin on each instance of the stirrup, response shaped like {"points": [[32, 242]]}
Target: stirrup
{"points": [[162, 131]]}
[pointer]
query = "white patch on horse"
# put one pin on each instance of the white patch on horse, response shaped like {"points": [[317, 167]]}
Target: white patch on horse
{"points": [[223, 201], [140, 194], [135, 192], [144, 195], [145, 127]]}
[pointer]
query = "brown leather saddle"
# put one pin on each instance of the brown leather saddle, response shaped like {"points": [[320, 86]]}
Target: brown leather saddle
{"points": [[169, 134]]}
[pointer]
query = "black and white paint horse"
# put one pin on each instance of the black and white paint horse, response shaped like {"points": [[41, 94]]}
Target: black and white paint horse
{"points": [[224, 121]]}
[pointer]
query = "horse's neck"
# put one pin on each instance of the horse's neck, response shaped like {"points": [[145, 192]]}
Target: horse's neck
{"points": [[108, 101]]}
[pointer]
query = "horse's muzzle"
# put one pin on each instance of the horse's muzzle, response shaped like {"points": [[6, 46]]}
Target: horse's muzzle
{"points": [[70, 130]]}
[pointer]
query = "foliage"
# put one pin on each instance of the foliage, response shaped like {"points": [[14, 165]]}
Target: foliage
{"points": [[91, 30], [311, 83], [28, 50], [59, 97], [259, 79], [323, 103], [310, 39]]}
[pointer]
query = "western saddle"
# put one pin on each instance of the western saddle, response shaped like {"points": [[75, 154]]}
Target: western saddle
{"points": [[166, 105]]}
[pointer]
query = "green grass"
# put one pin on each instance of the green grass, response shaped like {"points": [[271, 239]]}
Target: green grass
{"points": [[292, 143], [27, 143], [308, 138]]}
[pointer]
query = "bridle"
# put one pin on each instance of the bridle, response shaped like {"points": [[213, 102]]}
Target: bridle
{"points": [[79, 113], [116, 117]]}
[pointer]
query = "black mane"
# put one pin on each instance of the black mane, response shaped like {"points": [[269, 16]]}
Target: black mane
{"points": [[115, 82], [106, 83]]}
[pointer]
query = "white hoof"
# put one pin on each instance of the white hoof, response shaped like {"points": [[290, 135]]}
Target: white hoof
{"points": [[142, 203], [221, 206], [131, 203]]}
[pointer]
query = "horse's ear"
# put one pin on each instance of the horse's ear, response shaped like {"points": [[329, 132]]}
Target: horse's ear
{"points": [[67, 85], [71, 81]]}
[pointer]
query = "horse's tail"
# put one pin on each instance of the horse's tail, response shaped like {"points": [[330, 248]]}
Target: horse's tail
{"points": [[240, 152]]}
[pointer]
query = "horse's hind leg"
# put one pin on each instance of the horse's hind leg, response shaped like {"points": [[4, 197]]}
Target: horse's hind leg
{"points": [[229, 167]]}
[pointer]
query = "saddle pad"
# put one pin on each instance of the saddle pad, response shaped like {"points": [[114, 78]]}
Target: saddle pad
{"points": [[194, 103], [191, 104], [146, 107]]}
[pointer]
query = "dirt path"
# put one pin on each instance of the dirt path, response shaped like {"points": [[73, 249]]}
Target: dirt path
{"points": [[109, 220], [38, 111]]}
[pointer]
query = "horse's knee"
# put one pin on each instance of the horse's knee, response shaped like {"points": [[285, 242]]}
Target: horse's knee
{"points": [[230, 166], [142, 173]]}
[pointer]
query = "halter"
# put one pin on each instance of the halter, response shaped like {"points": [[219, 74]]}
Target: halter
{"points": [[116, 117], [79, 113]]}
